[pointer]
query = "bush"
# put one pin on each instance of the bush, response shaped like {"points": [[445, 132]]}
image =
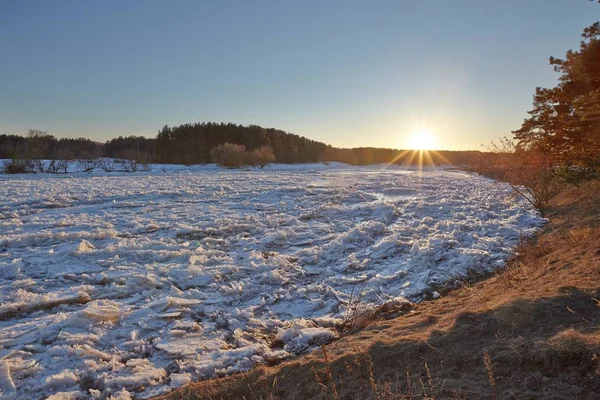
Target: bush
{"points": [[529, 171], [106, 164], [261, 156], [59, 166], [61, 161], [17, 166], [229, 155], [145, 161], [133, 160], [86, 165]]}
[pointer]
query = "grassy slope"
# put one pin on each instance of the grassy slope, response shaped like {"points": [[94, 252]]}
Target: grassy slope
{"points": [[531, 331]]}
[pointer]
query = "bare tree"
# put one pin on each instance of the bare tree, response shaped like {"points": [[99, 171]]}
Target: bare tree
{"points": [[60, 163], [38, 143], [106, 164], [86, 165], [529, 171], [145, 161]]}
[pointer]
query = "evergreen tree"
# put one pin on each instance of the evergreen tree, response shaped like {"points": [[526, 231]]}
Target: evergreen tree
{"points": [[565, 120]]}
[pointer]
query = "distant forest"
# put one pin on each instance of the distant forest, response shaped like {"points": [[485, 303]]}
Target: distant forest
{"points": [[192, 144]]}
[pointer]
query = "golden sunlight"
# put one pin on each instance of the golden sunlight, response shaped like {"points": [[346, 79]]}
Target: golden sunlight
{"points": [[422, 139]]}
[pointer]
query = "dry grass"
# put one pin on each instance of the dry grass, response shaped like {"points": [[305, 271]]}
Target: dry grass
{"points": [[531, 331], [576, 235]]}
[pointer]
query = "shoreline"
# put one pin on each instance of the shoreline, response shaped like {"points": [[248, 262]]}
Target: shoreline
{"points": [[524, 331]]}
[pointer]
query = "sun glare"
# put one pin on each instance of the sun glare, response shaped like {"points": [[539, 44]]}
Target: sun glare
{"points": [[422, 139]]}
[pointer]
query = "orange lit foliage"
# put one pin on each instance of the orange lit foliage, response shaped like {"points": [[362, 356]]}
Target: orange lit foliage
{"points": [[529, 171], [565, 120]]}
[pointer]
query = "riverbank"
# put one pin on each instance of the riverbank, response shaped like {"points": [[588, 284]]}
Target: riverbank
{"points": [[529, 331]]}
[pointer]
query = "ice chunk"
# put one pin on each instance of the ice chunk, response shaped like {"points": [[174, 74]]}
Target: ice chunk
{"points": [[87, 351], [281, 236], [122, 395], [12, 270], [72, 395], [7, 386], [102, 310], [178, 380], [65, 378], [182, 347], [174, 314], [299, 338], [174, 291], [32, 302], [167, 302], [273, 278], [84, 247], [140, 373]]}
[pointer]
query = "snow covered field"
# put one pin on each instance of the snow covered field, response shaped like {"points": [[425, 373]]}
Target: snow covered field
{"points": [[144, 281]]}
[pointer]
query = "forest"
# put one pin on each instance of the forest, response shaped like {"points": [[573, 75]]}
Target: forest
{"points": [[199, 142]]}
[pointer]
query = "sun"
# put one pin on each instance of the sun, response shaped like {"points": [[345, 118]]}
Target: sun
{"points": [[423, 139]]}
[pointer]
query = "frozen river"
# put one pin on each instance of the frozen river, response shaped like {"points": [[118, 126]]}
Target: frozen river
{"points": [[144, 281]]}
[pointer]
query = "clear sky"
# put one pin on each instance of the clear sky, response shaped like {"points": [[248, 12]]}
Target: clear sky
{"points": [[348, 72]]}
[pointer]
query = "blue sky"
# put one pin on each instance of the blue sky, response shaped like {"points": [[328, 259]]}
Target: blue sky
{"points": [[350, 73]]}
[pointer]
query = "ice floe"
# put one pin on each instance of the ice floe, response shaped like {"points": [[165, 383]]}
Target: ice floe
{"points": [[127, 285]]}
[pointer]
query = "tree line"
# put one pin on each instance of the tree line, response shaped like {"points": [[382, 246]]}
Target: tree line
{"points": [[40, 144], [227, 144], [192, 143]]}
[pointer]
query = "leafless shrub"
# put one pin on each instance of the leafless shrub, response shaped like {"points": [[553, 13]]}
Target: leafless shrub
{"points": [[132, 161], [60, 163], [358, 312], [38, 143], [229, 155], [130, 165], [86, 165], [127, 160], [106, 164], [39, 165], [53, 167], [529, 171], [17, 166], [58, 166], [261, 156], [145, 161]]}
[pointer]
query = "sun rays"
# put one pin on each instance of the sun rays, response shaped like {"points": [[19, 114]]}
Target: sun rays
{"points": [[419, 158], [420, 152]]}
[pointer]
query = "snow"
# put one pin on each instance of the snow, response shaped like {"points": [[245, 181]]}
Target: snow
{"points": [[65, 378], [178, 380], [126, 285]]}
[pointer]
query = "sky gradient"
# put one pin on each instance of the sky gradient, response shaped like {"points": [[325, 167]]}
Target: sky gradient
{"points": [[348, 73]]}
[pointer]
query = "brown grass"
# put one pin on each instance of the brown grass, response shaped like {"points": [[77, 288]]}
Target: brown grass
{"points": [[531, 331]]}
